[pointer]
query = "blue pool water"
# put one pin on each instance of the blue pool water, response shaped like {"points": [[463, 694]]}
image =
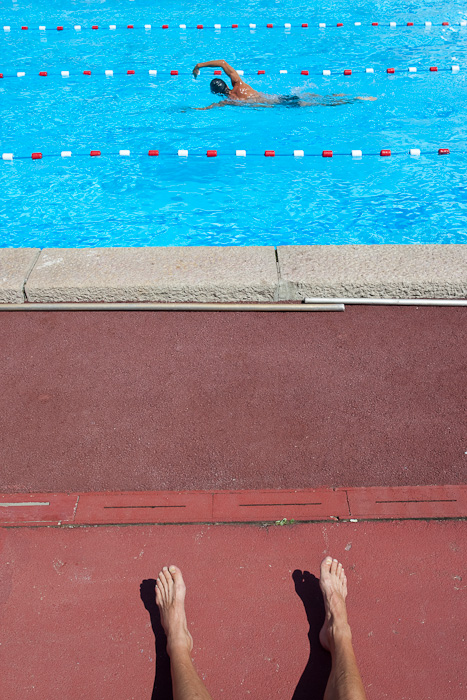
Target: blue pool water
{"points": [[135, 201]]}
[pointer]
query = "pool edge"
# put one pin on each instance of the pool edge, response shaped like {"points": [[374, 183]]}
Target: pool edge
{"points": [[232, 273]]}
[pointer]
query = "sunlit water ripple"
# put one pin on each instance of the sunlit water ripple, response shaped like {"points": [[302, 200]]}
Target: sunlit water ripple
{"points": [[137, 201]]}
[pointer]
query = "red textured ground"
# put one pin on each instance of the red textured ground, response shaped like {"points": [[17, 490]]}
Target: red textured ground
{"points": [[184, 400], [164, 507], [73, 624]]}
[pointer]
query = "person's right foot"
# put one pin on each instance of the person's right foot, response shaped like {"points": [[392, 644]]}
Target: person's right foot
{"points": [[333, 584], [170, 598]]}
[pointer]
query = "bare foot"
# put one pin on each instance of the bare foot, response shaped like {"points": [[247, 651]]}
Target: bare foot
{"points": [[333, 584], [170, 598], [372, 99]]}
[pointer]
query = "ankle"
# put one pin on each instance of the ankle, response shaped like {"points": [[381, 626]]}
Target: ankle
{"points": [[178, 647], [340, 632]]}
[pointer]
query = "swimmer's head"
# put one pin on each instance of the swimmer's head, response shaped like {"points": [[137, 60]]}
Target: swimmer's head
{"points": [[218, 87]]}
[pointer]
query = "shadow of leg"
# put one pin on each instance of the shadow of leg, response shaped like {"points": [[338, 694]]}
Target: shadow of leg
{"points": [[312, 683], [162, 689]]}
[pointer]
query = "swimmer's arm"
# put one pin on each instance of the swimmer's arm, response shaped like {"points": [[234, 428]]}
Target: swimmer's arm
{"points": [[214, 104], [231, 72]]}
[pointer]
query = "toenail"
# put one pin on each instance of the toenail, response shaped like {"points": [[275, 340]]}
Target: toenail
{"points": [[172, 569]]}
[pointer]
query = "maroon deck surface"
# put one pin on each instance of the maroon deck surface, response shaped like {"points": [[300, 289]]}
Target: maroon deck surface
{"points": [[184, 400], [73, 624]]}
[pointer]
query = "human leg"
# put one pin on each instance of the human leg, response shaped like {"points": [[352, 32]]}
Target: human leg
{"points": [[344, 681], [170, 598]]}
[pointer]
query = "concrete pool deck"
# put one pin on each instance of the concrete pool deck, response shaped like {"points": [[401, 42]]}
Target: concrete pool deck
{"points": [[230, 274]]}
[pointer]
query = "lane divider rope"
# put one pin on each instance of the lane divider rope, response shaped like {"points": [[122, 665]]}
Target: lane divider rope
{"points": [[213, 153], [252, 26], [153, 72]]}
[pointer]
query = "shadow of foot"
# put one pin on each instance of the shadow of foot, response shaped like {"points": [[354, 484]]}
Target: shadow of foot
{"points": [[312, 683], [162, 689]]}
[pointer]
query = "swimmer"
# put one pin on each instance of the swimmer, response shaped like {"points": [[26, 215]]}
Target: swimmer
{"points": [[242, 93], [344, 681]]}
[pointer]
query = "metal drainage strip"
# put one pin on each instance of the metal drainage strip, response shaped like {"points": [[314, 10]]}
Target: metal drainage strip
{"points": [[168, 306]]}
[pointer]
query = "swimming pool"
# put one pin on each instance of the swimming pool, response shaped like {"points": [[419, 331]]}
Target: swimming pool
{"points": [[139, 200]]}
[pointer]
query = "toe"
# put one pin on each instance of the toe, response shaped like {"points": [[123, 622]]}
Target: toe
{"points": [[169, 581], [160, 595], [326, 565], [162, 583], [177, 576], [179, 583], [334, 566]]}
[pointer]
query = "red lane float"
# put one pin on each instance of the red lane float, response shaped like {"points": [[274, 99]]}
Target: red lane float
{"points": [[269, 25], [347, 71], [213, 153]]}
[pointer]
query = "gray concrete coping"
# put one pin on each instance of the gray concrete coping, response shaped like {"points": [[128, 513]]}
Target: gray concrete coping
{"points": [[15, 266], [179, 274], [230, 274], [383, 271]]}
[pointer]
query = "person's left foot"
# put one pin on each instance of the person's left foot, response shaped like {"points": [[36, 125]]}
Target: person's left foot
{"points": [[170, 598]]}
